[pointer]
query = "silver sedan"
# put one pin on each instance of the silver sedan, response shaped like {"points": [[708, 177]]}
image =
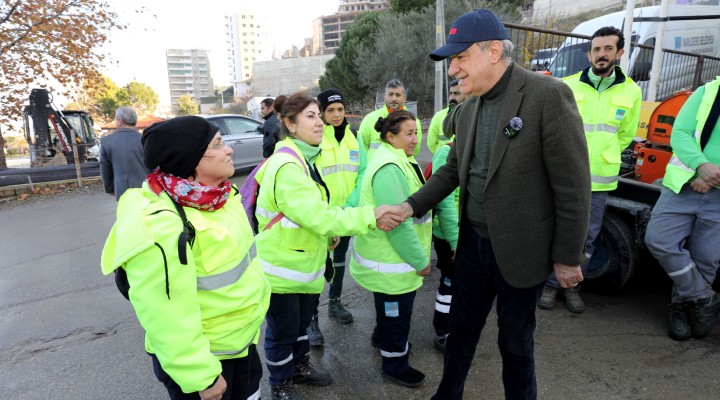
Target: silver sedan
{"points": [[243, 135]]}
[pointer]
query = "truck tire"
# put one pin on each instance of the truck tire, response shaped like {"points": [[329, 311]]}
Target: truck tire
{"points": [[615, 258]]}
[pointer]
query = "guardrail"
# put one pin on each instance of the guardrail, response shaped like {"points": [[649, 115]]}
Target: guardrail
{"points": [[29, 176]]}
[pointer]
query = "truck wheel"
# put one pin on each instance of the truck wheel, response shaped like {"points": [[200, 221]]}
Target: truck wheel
{"points": [[615, 258]]}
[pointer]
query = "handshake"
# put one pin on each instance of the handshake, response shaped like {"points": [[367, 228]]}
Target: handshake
{"points": [[387, 217]]}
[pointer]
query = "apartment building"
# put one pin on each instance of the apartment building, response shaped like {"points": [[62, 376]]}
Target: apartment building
{"points": [[246, 42], [188, 73], [328, 30]]}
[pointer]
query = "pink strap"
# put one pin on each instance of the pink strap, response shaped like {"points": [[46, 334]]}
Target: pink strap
{"points": [[280, 216], [273, 221]]}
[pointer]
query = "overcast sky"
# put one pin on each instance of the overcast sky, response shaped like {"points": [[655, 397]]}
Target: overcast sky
{"points": [[138, 53]]}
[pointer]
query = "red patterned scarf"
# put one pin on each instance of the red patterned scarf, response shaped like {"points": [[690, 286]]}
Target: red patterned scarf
{"points": [[189, 194]]}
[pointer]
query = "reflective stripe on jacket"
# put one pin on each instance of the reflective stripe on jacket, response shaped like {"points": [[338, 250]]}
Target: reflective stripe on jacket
{"points": [[677, 173], [436, 137], [293, 252], [339, 164], [195, 314], [610, 120], [375, 265]]}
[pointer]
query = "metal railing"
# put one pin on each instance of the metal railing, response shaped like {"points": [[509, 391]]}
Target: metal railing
{"points": [[564, 54]]}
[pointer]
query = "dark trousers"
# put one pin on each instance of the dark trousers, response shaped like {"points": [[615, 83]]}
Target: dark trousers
{"points": [[338, 264], [241, 374], [393, 313], [477, 283], [286, 340], [443, 297]]}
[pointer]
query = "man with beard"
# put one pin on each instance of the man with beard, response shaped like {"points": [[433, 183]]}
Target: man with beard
{"points": [[436, 137], [395, 96], [609, 104]]}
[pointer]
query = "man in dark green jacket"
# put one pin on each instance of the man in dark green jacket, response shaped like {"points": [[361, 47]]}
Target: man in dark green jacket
{"points": [[522, 166]]}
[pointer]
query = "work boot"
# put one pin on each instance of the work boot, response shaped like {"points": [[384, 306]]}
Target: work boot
{"points": [[547, 300], [315, 336], [309, 374], [337, 312], [573, 301], [285, 391], [679, 319], [705, 316], [439, 342], [410, 378]]}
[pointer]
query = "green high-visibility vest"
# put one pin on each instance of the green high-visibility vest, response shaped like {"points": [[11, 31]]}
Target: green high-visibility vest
{"points": [[375, 265], [676, 173], [196, 314], [436, 137], [604, 116], [338, 164], [371, 137], [292, 255]]}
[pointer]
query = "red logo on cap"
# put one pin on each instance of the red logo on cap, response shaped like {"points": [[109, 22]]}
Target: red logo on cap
{"points": [[453, 31]]}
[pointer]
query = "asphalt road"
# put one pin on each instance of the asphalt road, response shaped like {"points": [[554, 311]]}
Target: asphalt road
{"points": [[66, 333]]}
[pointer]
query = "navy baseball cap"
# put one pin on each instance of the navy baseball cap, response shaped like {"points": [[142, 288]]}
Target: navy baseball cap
{"points": [[476, 26]]}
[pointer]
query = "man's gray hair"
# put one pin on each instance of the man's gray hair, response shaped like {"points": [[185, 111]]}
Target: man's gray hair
{"points": [[127, 115], [507, 45], [394, 83]]}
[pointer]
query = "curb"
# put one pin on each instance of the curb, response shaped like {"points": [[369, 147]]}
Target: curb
{"points": [[29, 188]]}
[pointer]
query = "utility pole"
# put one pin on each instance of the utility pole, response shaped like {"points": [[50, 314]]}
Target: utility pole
{"points": [[656, 68], [440, 69], [627, 32]]}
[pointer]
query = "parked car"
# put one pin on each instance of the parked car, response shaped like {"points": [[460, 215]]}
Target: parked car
{"points": [[542, 59], [243, 135]]}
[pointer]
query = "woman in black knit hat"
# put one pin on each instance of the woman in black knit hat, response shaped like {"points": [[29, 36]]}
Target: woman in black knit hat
{"points": [[188, 251], [338, 163]]}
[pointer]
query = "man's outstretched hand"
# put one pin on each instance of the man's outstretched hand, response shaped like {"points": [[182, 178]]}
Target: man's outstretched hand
{"points": [[390, 216]]}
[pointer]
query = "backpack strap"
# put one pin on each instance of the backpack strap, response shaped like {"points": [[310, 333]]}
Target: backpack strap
{"points": [[186, 236], [290, 151]]}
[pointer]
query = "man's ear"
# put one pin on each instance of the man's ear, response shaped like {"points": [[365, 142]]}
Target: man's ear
{"points": [[619, 54], [495, 51]]}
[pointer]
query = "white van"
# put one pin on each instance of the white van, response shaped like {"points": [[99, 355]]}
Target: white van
{"points": [[690, 28]]}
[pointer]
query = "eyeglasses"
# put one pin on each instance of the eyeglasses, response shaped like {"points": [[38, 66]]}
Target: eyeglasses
{"points": [[217, 145]]}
